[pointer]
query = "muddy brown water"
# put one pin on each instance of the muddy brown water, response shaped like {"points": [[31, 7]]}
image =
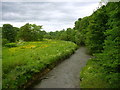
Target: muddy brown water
{"points": [[67, 73]]}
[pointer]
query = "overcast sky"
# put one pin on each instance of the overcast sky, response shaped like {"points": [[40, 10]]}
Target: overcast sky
{"points": [[52, 15]]}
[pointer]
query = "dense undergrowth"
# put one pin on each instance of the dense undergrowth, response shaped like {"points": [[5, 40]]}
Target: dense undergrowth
{"points": [[103, 71], [28, 58]]}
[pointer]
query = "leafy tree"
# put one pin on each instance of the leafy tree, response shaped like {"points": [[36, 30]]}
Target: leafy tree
{"points": [[111, 54], [95, 31], [9, 33], [31, 32], [81, 26], [16, 29], [25, 32]]}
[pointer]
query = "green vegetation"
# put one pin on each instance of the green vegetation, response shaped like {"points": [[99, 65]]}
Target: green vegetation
{"points": [[28, 58], [103, 71], [99, 32], [66, 35], [11, 45], [9, 32], [30, 32]]}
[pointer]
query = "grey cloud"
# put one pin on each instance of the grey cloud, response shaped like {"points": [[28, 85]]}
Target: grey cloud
{"points": [[53, 14]]}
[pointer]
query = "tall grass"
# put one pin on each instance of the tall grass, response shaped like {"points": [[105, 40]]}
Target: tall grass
{"points": [[22, 62]]}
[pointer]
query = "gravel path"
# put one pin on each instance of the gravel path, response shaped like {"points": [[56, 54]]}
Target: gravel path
{"points": [[66, 74]]}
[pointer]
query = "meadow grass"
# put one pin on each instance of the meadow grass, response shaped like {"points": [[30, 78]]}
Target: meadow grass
{"points": [[20, 63]]}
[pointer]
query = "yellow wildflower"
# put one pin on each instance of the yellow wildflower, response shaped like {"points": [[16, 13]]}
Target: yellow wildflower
{"points": [[43, 46], [28, 46]]}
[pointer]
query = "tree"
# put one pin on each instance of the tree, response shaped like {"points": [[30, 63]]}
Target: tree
{"points": [[36, 32], [25, 32], [16, 29], [30, 32], [9, 33], [95, 31]]}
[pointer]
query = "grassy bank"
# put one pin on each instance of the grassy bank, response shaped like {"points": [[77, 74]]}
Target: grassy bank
{"points": [[96, 75], [92, 76], [21, 63]]}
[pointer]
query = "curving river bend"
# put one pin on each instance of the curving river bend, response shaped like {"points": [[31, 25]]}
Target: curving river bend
{"points": [[67, 73]]}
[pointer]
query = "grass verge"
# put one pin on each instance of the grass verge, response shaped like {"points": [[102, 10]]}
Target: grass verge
{"points": [[94, 75], [91, 77]]}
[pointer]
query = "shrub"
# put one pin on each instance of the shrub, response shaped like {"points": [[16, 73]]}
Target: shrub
{"points": [[4, 41], [11, 45]]}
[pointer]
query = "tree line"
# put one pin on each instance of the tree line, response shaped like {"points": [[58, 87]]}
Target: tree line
{"points": [[27, 32]]}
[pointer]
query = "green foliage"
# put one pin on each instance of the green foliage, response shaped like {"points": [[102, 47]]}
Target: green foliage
{"points": [[16, 29], [99, 32], [11, 45], [105, 65], [66, 35], [31, 32], [9, 32], [4, 41], [81, 26], [92, 76], [95, 36], [21, 63]]}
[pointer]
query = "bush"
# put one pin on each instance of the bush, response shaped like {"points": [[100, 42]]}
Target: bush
{"points": [[4, 41], [11, 45]]}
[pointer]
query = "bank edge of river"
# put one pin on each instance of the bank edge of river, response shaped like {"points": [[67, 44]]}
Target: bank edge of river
{"points": [[39, 76]]}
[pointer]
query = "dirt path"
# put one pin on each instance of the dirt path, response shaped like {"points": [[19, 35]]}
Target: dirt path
{"points": [[66, 74]]}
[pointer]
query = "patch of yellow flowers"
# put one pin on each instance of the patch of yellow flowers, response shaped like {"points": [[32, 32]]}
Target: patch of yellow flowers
{"points": [[43, 46], [28, 46], [22, 47]]}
